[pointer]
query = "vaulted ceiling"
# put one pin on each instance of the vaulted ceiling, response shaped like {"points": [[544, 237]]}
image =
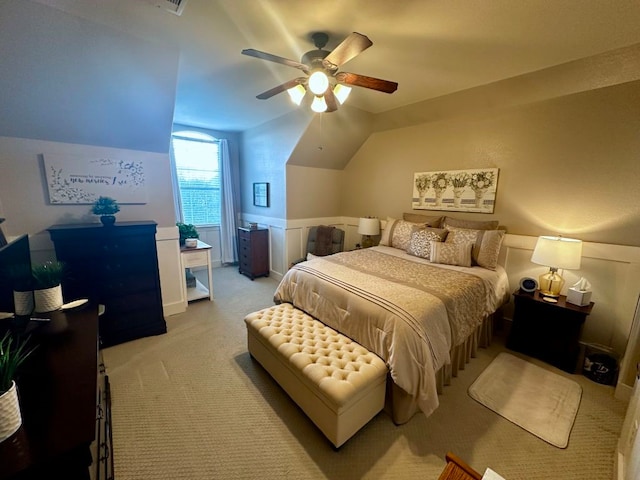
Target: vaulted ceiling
{"points": [[430, 47]]}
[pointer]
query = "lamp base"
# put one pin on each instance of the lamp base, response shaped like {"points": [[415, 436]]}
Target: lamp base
{"points": [[551, 283], [367, 241]]}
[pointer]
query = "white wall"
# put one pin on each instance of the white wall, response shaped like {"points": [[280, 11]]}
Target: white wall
{"points": [[24, 194], [69, 80]]}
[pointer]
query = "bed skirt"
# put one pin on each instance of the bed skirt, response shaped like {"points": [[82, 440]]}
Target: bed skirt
{"points": [[401, 406]]}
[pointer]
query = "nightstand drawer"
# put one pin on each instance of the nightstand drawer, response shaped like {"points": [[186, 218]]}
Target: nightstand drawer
{"points": [[195, 259]]}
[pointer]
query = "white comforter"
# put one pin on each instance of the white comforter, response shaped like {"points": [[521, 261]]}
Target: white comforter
{"points": [[408, 311]]}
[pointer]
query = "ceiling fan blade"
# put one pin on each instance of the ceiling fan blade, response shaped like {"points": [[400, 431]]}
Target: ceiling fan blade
{"points": [[280, 88], [351, 46], [366, 82], [330, 98], [274, 58]]}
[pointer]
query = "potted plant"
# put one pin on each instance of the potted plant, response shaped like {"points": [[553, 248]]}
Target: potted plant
{"points": [[187, 231], [21, 280], [12, 354], [106, 207], [47, 284]]}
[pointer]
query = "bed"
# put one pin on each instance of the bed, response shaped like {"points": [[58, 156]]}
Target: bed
{"points": [[423, 318]]}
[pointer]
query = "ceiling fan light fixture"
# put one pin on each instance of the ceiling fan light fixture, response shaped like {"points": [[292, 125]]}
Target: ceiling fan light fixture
{"points": [[318, 82], [341, 92], [319, 104], [297, 93]]}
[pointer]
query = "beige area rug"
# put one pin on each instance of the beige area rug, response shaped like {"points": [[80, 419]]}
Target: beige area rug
{"points": [[542, 402]]}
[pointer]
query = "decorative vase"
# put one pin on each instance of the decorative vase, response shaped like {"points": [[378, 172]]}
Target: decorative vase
{"points": [[23, 303], [108, 220], [421, 196], [457, 196], [479, 196], [48, 299], [10, 417], [439, 197]]}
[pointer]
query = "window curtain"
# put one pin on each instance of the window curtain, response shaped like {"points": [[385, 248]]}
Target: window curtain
{"points": [[227, 207], [177, 198]]}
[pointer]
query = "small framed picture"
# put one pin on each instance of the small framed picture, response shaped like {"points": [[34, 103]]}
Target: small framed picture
{"points": [[261, 194]]}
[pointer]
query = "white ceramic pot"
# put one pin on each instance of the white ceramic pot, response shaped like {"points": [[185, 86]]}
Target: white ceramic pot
{"points": [[23, 303], [48, 299], [10, 417], [190, 242]]}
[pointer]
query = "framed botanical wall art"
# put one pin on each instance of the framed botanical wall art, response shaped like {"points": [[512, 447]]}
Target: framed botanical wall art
{"points": [[456, 190], [261, 194]]}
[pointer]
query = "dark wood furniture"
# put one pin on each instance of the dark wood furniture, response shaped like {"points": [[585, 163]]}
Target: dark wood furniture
{"points": [[253, 252], [61, 390], [116, 266], [457, 469], [548, 331]]}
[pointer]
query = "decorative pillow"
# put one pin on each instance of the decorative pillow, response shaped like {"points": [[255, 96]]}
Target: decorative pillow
{"points": [[451, 253], [475, 224], [486, 244], [429, 220], [420, 244], [397, 233]]}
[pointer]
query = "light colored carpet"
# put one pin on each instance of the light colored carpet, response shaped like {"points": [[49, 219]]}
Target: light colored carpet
{"points": [[539, 401], [193, 405]]}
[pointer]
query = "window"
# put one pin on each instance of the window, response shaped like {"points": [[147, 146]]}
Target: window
{"points": [[197, 160]]}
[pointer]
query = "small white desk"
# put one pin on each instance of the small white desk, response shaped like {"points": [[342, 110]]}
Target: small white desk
{"points": [[198, 256]]}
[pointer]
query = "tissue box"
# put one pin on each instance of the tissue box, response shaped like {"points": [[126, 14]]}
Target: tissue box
{"points": [[578, 297]]}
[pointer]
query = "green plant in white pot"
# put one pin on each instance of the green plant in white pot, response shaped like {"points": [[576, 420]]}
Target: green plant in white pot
{"points": [[12, 354], [47, 284], [188, 231], [21, 281], [106, 207]]}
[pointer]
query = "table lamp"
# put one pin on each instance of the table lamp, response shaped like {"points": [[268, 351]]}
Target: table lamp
{"points": [[556, 252], [368, 227]]}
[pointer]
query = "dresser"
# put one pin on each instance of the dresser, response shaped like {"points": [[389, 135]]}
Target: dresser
{"points": [[64, 401], [116, 266], [253, 252]]}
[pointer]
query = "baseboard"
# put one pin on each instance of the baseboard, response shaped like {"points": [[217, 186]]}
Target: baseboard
{"points": [[173, 308]]}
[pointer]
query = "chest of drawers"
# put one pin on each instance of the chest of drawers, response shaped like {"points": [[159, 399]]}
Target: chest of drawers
{"points": [[116, 266], [253, 252]]}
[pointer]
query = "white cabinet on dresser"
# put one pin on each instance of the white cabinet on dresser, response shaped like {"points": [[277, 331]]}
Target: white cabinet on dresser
{"points": [[192, 257]]}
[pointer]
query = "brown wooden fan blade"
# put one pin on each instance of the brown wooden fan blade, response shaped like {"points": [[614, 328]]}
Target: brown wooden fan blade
{"points": [[274, 58], [280, 88], [330, 98], [351, 46], [366, 82]]}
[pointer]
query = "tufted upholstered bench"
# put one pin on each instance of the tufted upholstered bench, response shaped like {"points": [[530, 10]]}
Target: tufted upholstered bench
{"points": [[338, 383]]}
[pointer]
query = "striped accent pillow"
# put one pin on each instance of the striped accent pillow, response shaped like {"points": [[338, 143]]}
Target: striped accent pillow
{"points": [[451, 253]]}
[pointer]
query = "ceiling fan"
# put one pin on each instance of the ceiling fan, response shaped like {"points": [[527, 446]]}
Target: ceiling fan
{"points": [[323, 79]]}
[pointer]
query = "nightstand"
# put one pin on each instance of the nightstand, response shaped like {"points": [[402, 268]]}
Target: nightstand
{"points": [[198, 256], [548, 331]]}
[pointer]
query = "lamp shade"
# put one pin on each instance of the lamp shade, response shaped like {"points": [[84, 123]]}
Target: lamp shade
{"points": [[558, 252], [369, 226]]}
